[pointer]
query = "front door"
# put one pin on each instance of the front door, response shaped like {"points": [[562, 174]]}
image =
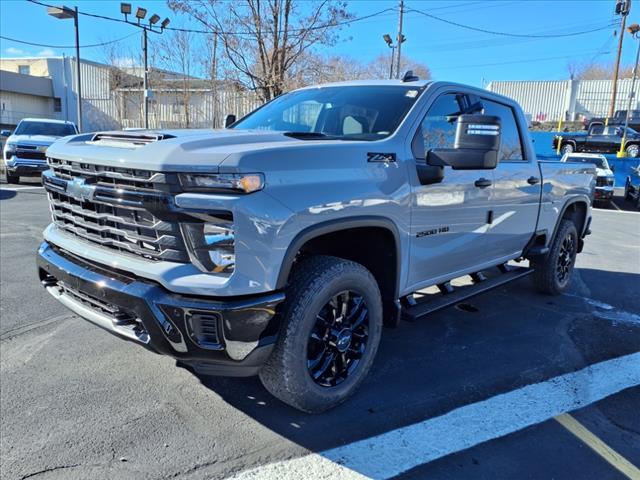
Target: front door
{"points": [[448, 219], [515, 197]]}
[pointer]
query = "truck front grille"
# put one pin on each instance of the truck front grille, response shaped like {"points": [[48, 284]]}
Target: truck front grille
{"points": [[116, 216]]}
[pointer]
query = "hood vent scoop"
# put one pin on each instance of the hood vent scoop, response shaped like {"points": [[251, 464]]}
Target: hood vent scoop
{"points": [[128, 140]]}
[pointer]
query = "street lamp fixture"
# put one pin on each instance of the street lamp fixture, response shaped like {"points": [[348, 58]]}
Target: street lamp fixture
{"points": [[141, 13], [64, 13], [387, 38]]}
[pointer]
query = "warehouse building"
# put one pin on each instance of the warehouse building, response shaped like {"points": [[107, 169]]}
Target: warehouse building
{"points": [[552, 100], [112, 97]]}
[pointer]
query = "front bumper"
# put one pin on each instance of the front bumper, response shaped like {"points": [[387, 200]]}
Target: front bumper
{"points": [[27, 168], [603, 193], [230, 336]]}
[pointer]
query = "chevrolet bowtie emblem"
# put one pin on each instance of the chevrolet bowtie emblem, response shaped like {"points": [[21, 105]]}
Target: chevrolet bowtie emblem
{"points": [[78, 189]]}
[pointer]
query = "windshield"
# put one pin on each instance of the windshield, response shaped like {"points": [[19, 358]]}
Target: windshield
{"points": [[345, 113], [45, 128], [597, 161]]}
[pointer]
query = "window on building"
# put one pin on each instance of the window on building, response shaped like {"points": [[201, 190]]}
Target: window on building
{"points": [[57, 104], [24, 69]]}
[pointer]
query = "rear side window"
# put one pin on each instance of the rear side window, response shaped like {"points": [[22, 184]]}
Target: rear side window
{"points": [[511, 148]]}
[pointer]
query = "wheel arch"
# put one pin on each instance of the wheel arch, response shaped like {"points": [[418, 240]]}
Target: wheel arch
{"points": [[576, 209], [380, 234]]}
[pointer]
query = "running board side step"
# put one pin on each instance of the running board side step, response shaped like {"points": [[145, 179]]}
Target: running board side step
{"points": [[416, 308]]}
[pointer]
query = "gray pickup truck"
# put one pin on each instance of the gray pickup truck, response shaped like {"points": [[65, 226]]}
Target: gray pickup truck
{"points": [[282, 245]]}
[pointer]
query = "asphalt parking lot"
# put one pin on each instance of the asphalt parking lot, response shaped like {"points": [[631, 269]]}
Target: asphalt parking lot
{"points": [[511, 385]]}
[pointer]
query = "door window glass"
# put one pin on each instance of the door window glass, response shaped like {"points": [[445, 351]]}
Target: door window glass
{"points": [[439, 125], [511, 147]]}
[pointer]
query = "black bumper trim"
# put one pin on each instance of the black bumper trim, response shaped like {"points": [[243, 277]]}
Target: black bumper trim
{"points": [[247, 329], [26, 170]]}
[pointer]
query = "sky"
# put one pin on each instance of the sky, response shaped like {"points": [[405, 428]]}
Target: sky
{"points": [[451, 52]]}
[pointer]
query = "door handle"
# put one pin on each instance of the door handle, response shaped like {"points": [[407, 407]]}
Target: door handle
{"points": [[533, 180], [482, 183]]}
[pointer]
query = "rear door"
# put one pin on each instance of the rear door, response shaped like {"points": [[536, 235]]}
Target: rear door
{"points": [[448, 219], [515, 197]]}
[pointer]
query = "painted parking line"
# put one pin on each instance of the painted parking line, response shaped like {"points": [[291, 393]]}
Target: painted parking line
{"points": [[391, 453], [602, 449], [17, 189], [613, 204]]}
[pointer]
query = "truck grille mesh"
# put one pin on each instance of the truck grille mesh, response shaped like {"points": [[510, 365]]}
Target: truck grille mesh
{"points": [[130, 229]]}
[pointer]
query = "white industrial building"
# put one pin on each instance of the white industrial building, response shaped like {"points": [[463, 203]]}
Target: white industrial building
{"points": [[552, 100], [112, 98]]}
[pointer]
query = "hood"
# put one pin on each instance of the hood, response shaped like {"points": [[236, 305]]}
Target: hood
{"points": [[604, 172], [32, 139], [168, 150]]}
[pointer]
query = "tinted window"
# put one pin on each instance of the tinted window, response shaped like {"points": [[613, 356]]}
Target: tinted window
{"points": [[511, 147], [346, 112], [439, 125], [597, 161], [597, 130], [45, 128]]}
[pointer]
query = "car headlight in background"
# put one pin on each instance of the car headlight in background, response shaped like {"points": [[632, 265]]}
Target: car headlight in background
{"points": [[222, 182], [211, 245], [10, 150]]}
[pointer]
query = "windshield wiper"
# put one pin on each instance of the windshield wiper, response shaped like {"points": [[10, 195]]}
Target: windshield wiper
{"points": [[310, 135]]}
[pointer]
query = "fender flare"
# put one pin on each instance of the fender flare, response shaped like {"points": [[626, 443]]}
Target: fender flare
{"points": [[585, 225], [332, 226]]}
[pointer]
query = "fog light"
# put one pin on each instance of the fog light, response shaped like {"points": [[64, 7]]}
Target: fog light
{"points": [[211, 246]]}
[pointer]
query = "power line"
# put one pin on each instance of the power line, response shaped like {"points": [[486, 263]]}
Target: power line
{"points": [[507, 34], [67, 46], [209, 32]]}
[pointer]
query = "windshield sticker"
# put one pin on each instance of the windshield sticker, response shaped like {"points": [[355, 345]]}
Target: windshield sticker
{"points": [[411, 93]]}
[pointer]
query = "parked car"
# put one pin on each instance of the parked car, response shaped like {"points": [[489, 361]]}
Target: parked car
{"points": [[618, 120], [605, 179], [600, 139], [282, 245], [24, 150], [632, 186]]}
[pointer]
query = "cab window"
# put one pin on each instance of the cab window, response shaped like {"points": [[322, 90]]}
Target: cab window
{"points": [[511, 147]]}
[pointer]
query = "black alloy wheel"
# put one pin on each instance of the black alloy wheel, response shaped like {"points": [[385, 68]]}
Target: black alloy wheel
{"points": [[565, 259], [338, 339]]}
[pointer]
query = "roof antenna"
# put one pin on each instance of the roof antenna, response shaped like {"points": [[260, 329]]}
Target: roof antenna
{"points": [[410, 77]]}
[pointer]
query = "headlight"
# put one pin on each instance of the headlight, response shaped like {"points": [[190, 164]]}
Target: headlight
{"points": [[211, 246], [223, 182]]}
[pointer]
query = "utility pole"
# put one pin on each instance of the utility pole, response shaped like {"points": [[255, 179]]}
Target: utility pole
{"points": [[387, 39], [401, 39], [145, 81], [622, 8], [634, 30]]}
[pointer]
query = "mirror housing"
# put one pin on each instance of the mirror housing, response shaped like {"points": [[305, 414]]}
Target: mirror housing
{"points": [[476, 146], [5, 133], [229, 120], [427, 174]]}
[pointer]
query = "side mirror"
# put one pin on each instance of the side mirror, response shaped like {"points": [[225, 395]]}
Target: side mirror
{"points": [[427, 174], [229, 119], [476, 146], [5, 133]]}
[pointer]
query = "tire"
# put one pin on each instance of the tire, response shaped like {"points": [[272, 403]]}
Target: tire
{"points": [[552, 273], [14, 179], [632, 151], [306, 343], [567, 148]]}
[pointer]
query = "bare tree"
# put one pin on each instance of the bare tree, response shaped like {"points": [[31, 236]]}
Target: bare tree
{"points": [[265, 42], [597, 71]]}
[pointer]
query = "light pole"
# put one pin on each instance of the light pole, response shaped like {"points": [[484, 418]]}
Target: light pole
{"points": [[387, 39], [634, 30], [64, 13], [141, 13], [623, 7]]}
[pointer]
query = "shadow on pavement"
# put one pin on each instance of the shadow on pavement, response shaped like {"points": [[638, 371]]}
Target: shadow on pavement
{"points": [[6, 194], [457, 357]]}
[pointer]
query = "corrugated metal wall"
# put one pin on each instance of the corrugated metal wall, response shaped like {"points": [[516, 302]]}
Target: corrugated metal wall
{"points": [[566, 99]]}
